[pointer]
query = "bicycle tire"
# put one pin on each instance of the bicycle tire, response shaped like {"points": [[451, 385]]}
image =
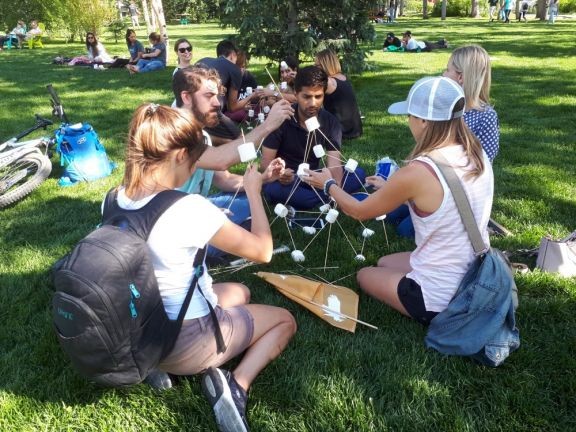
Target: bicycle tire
{"points": [[19, 178]]}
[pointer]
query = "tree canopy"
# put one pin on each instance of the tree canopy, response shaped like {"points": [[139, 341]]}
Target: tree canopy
{"points": [[277, 28]]}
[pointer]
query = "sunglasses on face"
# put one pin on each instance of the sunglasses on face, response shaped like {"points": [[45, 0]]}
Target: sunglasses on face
{"points": [[183, 50]]}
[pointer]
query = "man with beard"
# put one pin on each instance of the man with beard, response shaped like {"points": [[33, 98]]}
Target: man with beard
{"points": [[197, 89], [290, 142]]}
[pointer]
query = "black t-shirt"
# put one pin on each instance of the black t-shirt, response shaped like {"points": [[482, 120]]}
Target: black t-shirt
{"points": [[343, 104], [290, 139], [230, 74], [493, 2]]}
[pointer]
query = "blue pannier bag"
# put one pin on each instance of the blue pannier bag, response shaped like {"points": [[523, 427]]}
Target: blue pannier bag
{"points": [[82, 154]]}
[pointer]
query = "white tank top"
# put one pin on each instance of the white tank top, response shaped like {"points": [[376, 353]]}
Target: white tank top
{"points": [[443, 251]]}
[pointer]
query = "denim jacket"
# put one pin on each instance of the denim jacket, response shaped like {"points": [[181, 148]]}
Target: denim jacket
{"points": [[479, 321]]}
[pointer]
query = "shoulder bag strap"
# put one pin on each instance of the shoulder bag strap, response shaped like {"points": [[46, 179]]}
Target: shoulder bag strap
{"points": [[198, 271], [461, 201]]}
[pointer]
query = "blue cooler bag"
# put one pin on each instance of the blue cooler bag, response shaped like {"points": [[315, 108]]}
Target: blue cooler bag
{"points": [[82, 154]]}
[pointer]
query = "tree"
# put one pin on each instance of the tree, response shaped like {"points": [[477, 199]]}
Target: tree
{"points": [[275, 29], [541, 6], [475, 12], [424, 9], [443, 15]]}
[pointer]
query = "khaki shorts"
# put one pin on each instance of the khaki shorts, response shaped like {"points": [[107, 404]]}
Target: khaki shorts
{"points": [[195, 349]]}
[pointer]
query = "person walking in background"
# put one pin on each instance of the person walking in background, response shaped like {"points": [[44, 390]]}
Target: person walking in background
{"points": [[493, 5], [552, 11], [134, 14]]}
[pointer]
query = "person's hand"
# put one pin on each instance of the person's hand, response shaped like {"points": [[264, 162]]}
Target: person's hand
{"points": [[317, 178], [274, 170], [286, 177], [375, 181], [252, 179], [280, 112]]}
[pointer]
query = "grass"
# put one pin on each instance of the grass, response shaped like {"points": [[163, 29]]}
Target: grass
{"points": [[326, 380]]}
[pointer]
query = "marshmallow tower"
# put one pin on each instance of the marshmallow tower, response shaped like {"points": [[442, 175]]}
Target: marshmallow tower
{"points": [[319, 151], [351, 165], [281, 210], [332, 215], [247, 152], [298, 255], [312, 124]]}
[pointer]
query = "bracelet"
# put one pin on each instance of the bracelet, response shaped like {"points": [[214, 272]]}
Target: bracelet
{"points": [[327, 184]]}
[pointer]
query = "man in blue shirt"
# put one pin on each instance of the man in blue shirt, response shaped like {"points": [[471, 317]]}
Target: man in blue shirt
{"points": [[293, 143]]}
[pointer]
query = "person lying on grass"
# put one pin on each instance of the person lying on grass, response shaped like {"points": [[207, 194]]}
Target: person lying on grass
{"points": [[421, 283], [164, 145]]}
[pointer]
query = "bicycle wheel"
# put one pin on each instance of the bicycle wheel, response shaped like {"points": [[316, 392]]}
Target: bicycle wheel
{"points": [[22, 176]]}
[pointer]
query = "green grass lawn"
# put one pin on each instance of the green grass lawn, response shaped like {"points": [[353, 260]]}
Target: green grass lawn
{"points": [[327, 380]]}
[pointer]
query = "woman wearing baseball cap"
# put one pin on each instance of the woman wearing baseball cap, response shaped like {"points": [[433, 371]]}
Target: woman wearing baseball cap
{"points": [[421, 283]]}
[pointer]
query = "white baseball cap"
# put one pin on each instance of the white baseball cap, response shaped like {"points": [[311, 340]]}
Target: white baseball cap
{"points": [[431, 98]]}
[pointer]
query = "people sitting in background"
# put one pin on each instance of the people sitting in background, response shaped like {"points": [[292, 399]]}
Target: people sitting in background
{"points": [[33, 32], [97, 54], [291, 143], [412, 45], [18, 32], [392, 43], [152, 59], [339, 99], [135, 49]]}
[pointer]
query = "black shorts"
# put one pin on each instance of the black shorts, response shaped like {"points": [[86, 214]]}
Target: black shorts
{"points": [[410, 295]]}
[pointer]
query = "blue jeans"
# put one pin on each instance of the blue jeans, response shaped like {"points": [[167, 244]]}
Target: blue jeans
{"points": [[145, 65], [402, 220], [305, 197], [240, 212]]}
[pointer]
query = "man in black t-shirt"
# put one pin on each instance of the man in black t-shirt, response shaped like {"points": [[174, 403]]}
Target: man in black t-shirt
{"points": [[292, 142]]}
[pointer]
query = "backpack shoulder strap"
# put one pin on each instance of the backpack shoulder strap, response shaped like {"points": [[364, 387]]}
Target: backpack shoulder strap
{"points": [[142, 220]]}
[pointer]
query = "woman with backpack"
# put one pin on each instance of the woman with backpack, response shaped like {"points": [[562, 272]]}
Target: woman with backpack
{"points": [[421, 283], [163, 147]]}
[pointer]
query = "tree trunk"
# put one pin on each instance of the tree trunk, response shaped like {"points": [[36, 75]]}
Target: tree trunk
{"points": [[443, 16], [149, 28], [518, 10], [541, 10], [474, 13], [158, 9], [401, 13], [424, 9]]}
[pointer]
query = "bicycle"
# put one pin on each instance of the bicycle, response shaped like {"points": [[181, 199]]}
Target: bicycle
{"points": [[23, 164]]}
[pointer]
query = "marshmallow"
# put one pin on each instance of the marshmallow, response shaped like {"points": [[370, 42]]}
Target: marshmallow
{"points": [[319, 151], [351, 165], [259, 88], [250, 113], [248, 91], [261, 117], [271, 87], [298, 255], [381, 218], [367, 232], [309, 230], [281, 210], [332, 215], [247, 152], [283, 86], [360, 257], [325, 208], [266, 109], [312, 124], [283, 65], [301, 168]]}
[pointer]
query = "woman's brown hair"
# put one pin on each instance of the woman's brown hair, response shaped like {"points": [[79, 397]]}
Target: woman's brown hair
{"points": [[155, 132]]}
